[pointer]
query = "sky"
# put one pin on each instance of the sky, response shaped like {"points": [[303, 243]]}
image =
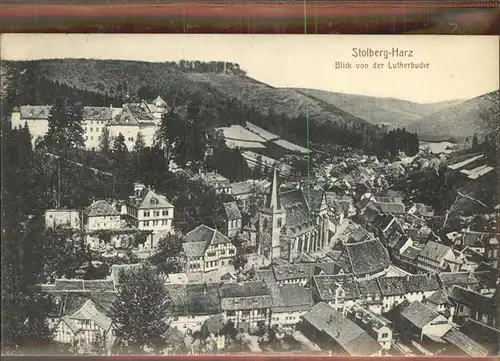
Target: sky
{"points": [[460, 67]]}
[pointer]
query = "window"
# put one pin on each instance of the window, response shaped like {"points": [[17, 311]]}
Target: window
{"points": [[155, 223], [385, 334], [231, 251], [164, 213], [231, 313], [146, 214], [223, 252], [279, 222], [146, 223], [86, 138], [156, 213], [211, 254], [91, 137], [91, 129], [99, 137]]}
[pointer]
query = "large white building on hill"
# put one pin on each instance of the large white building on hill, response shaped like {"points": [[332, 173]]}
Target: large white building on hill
{"points": [[129, 120]]}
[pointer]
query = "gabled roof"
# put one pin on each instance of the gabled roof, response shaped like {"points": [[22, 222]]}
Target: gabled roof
{"points": [[440, 297], [328, 284], [400, 285], [291, 298], [352, 338], [232, 211], [193, 299], [387, 207], [245, 296], [434, 251], [420, 315], [148, 199], [88, 311], [101, 208], [367, 257], [199, 239], [457, 279], [465, 343]]}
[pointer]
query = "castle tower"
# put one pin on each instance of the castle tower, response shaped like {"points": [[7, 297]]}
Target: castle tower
{"points": [[160, 107], [271, 220]]}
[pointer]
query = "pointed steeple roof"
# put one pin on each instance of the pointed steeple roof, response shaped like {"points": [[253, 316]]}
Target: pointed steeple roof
{"points": [[274, 200]]}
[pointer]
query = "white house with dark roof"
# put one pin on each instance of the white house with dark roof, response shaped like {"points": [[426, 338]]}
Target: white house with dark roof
{"points": [[95, 121], [131, 119], [207, 249], [332, 331], [148, 210], [101, 215], [84, 320], [34, 116]]}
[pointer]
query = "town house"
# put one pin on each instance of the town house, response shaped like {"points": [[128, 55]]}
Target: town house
{"points": [[436, 257], [289, 303], [473, 305], [192, 305], [418, 320], [100, 215], [334, 332], [397, 289], [217, 181], [246, 304], [339, 291], [207, 249], [149, 211], [376, 326]]}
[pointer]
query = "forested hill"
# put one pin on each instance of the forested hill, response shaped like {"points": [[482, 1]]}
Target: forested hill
{"points": [[219, 85]]}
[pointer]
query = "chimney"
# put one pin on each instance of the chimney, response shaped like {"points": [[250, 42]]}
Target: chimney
{"points": [[205, 287]]}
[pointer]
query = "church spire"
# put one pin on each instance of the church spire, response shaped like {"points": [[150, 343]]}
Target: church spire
{"points": [[274, 200]]}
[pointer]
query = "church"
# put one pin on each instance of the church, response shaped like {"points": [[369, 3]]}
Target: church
{"points": [[292, 223]]}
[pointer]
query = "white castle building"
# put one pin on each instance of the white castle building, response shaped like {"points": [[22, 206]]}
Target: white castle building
{"points": [[130, 120]]}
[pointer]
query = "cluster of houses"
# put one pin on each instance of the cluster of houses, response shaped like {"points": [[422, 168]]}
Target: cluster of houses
{"points": [[389, 286], [353, 272]]}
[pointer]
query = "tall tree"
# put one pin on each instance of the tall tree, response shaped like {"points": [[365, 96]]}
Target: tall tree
{"points": [[140, 310], [65, 126], [169, 257], [139, 143], [170, 132], [105, 144]]}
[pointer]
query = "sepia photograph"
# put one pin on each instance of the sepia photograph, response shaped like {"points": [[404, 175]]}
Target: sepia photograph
{"points": [[250, 194]]}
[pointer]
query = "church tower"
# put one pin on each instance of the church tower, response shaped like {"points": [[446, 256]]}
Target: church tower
{"points": [[271, 220]]}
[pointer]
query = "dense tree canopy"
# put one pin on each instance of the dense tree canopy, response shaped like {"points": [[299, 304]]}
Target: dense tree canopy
{"points": [[140, 310]]}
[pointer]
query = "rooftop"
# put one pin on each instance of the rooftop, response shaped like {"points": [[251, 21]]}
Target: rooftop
{"points": [[101, 208], [420, 315], [352, 338]]}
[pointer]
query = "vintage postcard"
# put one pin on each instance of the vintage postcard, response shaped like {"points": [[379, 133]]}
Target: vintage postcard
{"points": [[221, 194]]}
